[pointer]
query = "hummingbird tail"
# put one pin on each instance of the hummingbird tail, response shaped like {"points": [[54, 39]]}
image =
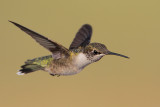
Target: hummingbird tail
{"points": [[35, 64], [28, 68]]}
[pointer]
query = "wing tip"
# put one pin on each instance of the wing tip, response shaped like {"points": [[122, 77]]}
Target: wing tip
{"points": [[11, 22], [87, 26], [14, 23]]}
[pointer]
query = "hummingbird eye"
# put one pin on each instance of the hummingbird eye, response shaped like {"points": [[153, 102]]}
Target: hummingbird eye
{"points": [[95, 52]]}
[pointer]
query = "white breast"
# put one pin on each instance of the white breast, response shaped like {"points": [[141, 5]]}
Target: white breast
{"points": [[81, 61]]}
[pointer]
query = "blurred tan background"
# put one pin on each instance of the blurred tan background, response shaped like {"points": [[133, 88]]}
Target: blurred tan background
{"points": [[129, 27]]}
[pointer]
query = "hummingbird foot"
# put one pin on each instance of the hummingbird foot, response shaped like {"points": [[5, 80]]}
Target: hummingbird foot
{"points": [[52, 74], [55, 75]]}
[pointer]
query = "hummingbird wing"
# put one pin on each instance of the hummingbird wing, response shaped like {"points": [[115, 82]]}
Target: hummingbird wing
{"points": [[58, 51], [82, 37]]}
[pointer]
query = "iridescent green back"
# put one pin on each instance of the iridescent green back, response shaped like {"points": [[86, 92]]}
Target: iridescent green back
{"points": [[42, 61]]}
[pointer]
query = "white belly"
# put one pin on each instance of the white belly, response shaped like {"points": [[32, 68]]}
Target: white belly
{"points": [[78, 63]]}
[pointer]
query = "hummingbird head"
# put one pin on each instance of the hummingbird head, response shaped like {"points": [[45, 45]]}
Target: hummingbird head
{"points": [[95, 51]]}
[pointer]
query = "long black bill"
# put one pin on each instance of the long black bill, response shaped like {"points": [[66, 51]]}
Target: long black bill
{"points": [[112, 53]]}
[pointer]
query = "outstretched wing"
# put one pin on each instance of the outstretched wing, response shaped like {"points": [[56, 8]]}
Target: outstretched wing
{"points": [[58, 51], [82, 37]]}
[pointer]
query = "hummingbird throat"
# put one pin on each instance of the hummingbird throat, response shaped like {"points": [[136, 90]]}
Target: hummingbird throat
{"points": [[82, 60]]}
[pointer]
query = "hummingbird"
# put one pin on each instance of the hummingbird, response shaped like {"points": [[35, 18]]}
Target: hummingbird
{"points": [[65, 61]]}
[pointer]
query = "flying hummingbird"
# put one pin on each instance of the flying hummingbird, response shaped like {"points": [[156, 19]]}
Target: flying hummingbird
{"points": [[65, 61]]}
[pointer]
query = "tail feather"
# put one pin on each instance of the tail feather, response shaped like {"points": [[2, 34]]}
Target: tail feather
{"points": [[35, 64], [28, 68]]}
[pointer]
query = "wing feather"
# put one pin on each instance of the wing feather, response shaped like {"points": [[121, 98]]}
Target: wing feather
{"points": [[82, 37], [56, 49]]}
